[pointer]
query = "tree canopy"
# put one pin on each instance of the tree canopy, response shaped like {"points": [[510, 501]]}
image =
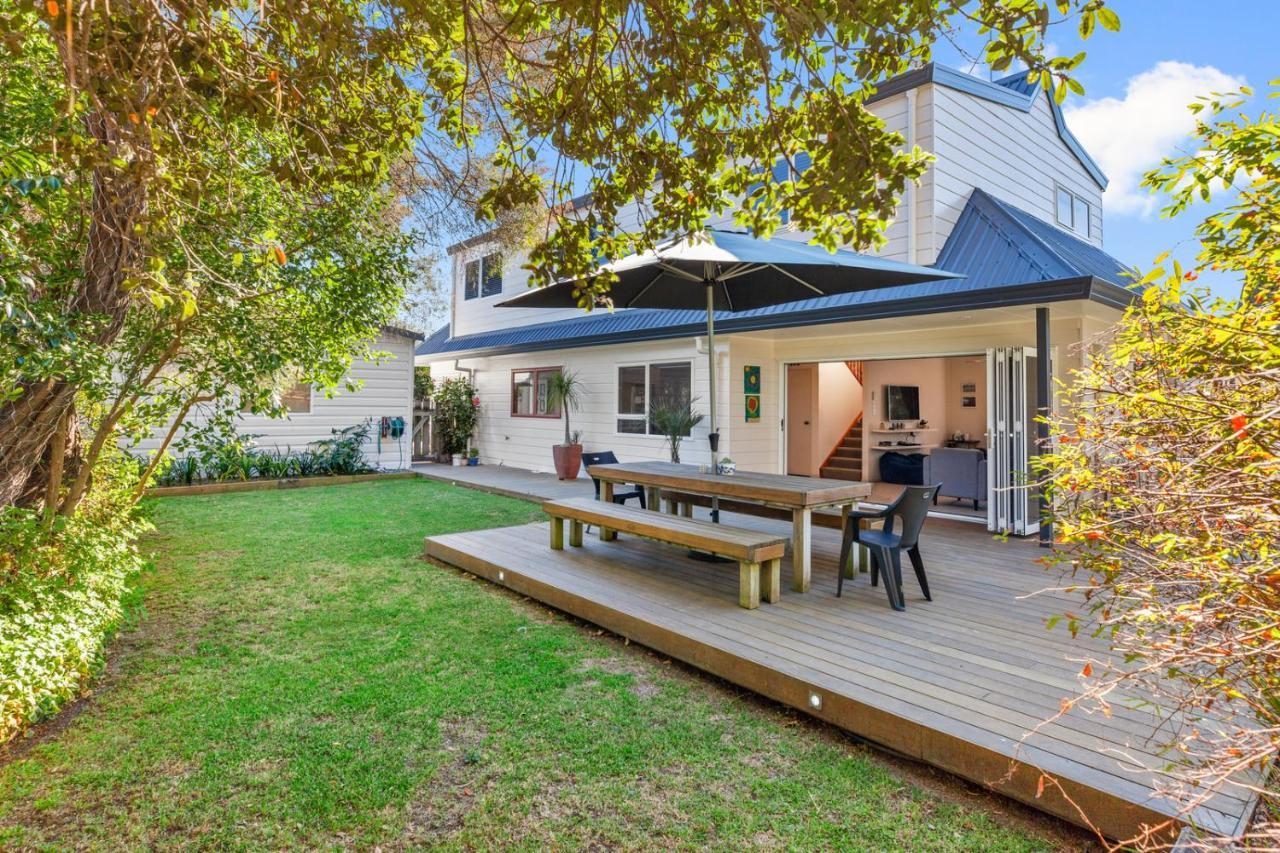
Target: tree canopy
{"points": [[180, 172]]}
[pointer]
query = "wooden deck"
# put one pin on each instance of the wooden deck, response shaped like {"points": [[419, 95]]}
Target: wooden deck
{"points": [[957, 682]]}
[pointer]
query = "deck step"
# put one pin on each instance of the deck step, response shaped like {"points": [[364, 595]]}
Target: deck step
{"points": [[833, 473]]}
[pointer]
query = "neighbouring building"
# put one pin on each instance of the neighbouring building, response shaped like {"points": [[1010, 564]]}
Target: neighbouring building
{"points": [[384, 397]]}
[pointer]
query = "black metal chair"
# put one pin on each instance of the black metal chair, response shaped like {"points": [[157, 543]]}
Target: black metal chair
{"points": [[607, 458], [886, 547]]}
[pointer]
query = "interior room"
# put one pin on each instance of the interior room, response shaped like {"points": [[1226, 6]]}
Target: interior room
{"points": [[893, 422]]}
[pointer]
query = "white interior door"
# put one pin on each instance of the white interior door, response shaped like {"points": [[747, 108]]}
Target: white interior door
{"points": [[1011, 502]]}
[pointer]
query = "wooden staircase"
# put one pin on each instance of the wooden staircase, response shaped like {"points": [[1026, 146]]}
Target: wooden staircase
{"points": [[845, 462]]}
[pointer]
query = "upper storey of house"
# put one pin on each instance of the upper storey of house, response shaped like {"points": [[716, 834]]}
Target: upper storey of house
{"points": [[1005, 138]]}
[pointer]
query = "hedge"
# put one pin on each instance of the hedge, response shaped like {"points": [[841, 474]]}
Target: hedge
{"points": [[60, 599]]}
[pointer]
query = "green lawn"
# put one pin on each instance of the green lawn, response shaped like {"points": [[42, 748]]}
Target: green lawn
{"points": [[294, 676]]}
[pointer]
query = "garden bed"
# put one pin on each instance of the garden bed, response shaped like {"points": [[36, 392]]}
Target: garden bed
{"points": [[285, 483]]}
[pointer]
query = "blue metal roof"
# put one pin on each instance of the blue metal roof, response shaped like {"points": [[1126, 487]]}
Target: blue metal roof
{"points": [[1008, 257], [996, 243]]}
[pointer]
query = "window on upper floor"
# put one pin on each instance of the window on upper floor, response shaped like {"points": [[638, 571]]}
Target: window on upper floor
{"points": [[785, 170], [1074, 213], [483, 276], [529, 393]]}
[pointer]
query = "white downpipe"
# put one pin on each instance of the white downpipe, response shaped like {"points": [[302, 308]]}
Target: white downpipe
{"points": [[911, 189]]}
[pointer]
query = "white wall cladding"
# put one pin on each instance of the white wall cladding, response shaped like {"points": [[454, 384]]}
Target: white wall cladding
{"points": [[386, 390], [526, 442], [1014, 156]]}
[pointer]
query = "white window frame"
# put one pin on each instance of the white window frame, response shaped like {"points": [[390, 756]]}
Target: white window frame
{"points": [[483, 273], [1076, 198], [617, 388]]}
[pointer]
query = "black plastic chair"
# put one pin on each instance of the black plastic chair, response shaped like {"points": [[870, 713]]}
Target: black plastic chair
{"points": [[886, 547], [607, 458]]}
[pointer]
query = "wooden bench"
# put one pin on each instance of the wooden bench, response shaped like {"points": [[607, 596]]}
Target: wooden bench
{"points": [[751, 549]]}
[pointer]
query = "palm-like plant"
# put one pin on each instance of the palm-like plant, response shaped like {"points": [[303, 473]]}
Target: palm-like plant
{"points": [[564, 392], [674, 418]]}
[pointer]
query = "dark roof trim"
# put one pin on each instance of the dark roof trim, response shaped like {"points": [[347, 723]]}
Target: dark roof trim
{"points": [[403, 332], [1069, 139], [1033, 293], [952, 79]]}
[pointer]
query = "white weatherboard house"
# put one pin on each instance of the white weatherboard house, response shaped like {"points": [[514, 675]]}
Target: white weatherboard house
{"points": [[938, 380], [385, 393]]}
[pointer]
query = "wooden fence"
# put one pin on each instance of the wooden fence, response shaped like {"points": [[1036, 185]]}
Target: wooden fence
{"points": [[424, 438]]}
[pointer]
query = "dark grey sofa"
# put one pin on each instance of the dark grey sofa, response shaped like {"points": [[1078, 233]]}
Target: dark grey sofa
{"points": [[961, 471]]}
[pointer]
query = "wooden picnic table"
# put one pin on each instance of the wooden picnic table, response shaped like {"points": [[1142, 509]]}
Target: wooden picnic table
{"points": [[799, 495]]}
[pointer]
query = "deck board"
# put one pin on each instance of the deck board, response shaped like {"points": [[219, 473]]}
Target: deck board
{"points": [[958, 682]]}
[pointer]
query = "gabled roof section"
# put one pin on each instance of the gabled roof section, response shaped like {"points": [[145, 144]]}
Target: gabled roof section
{"points": [[995, 243], [1012, 91], [1008, 257], [1018, 83]]}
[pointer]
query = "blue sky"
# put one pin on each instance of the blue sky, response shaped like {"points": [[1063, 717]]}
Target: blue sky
{"points": [[1137, 83]]}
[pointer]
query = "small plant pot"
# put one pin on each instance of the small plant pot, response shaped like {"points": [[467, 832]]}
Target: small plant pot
{"points": [[726, 467], [568, 460], [473, 460], [459, 460]]}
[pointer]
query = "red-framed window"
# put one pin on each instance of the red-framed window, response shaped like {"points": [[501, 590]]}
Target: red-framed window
{"points": [[529, 393]]}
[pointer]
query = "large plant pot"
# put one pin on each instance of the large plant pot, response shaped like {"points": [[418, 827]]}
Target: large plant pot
{"points": [[568, 459]]}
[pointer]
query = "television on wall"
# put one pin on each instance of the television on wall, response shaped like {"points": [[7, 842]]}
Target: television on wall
{"points": [[902, 402]]}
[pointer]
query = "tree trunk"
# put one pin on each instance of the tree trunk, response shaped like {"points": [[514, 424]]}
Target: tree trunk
{"points": [[28, 424]]}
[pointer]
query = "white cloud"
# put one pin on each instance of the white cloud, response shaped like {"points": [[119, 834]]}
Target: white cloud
{"points": [[1128, 136]]}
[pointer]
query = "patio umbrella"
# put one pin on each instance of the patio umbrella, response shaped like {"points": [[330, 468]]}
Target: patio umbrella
{"points": [[733, 271]]}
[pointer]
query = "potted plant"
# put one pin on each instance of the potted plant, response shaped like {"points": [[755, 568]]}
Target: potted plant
{"points": [[457, 408], [564, 392], [674, 419], [726, 466], [473, 456]]}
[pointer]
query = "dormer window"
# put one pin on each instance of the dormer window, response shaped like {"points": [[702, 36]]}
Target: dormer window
{"points": [[1074, 213], [483, 276]]}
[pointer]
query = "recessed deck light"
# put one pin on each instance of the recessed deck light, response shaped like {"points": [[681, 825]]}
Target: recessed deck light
{"points": [[502, 575], [815, 701]]}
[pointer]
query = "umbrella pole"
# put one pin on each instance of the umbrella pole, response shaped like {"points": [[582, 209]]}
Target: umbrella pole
{"points": [[714, 437]]}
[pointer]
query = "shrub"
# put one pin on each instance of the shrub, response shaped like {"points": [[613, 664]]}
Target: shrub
{"points": [[424, 387], [237, 459], [343, 454], [60, 595], [456, 412], [1166, 487]]}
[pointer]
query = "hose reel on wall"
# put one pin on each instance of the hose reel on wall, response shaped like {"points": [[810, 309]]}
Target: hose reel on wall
{"points": [[392, 427]]}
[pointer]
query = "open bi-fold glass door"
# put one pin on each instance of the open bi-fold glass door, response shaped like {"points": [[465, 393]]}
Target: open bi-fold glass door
{"points": [[1013, 504]]}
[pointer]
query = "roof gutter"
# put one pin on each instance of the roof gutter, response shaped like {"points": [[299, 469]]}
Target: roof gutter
{"points": [[1036, 293]]}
